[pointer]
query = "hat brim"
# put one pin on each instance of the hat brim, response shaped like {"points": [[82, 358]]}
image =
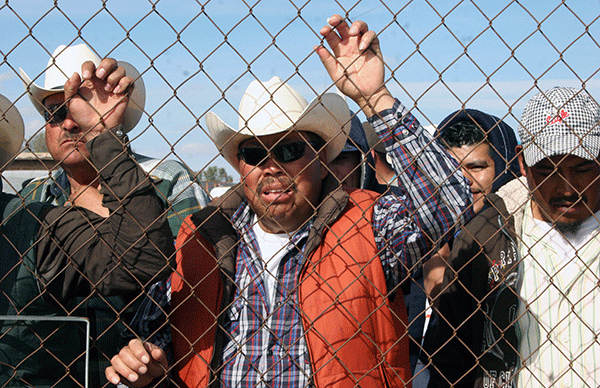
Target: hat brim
{"points": [[327, 116], [547, 145], [135, 108], [11, 131]]}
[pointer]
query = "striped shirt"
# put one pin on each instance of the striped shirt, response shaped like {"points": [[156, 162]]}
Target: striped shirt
{"points": [[265, 343], [559, 321]]}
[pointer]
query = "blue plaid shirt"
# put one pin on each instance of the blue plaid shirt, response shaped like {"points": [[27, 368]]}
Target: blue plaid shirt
{"points": [[265, 344]]}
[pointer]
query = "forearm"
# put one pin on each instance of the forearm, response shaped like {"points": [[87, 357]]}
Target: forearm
{"points": [[139, 230], [81, 251]]}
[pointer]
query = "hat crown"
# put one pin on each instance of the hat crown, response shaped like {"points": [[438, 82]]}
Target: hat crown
{"points": [[65, 61], [11, 130], [68, 60], [270, 107], [560, 121], [273, 107]]}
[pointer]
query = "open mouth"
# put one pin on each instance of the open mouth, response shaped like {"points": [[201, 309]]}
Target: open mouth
{"points": [[274, 194]]}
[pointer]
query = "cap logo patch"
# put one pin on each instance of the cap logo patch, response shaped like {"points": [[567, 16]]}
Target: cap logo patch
{"points": [[551, 119]]}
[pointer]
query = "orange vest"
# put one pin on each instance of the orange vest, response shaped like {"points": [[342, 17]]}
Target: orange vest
{"points": [[355, 335]]}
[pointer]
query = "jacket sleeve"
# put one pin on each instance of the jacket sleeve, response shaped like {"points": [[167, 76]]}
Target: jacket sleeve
{"points": [[455, 345], [80, 252]]}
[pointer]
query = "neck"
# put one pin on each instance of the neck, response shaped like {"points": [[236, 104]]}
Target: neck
{"points": [[85, 190], [386, 178], [83, 174]]}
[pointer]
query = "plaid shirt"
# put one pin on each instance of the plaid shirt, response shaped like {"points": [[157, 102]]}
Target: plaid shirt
{"points": [[265, 344], [176, 185]]}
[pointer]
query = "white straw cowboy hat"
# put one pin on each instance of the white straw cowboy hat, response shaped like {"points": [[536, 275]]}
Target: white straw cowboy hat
{"points": [[68, 60], [273, 107], [11, 130]]}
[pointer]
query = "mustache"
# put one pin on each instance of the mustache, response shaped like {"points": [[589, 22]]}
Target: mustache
{"points": [[77, 136], [287, 183], [571, 199]]}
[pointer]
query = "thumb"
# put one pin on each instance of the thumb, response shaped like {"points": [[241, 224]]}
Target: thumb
{"points": [[328, 60], [72, 86], [159, 364]]}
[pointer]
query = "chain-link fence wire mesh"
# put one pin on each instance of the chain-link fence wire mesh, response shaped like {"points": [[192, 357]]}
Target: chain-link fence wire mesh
{"points": [[195, 57]]}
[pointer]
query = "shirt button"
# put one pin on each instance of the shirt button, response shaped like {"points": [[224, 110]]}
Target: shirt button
{"points": [[405, 132], [565, 338], [119, 133], [269, 353]]}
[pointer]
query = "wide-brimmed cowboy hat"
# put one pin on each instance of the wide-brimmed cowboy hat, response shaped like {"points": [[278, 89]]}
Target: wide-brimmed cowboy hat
{"points": [[11, 131], [68, 60], [274, 107]]}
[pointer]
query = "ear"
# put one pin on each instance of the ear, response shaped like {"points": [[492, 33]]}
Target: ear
{"points": [[522, 165], [323, 163]]}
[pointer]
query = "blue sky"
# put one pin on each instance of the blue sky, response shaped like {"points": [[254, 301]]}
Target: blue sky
{"points": [[488, 55]]}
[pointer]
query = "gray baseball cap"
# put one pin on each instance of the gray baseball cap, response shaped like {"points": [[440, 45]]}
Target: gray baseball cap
{"points": [[560, 121]]}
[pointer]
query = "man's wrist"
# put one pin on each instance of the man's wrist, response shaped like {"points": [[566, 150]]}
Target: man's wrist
{"points": [[378, 102]]}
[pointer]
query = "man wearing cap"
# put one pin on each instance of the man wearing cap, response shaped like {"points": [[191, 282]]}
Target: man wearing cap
{"points": [[520, 297], [51, 254], [76, 182], [290, 280]]}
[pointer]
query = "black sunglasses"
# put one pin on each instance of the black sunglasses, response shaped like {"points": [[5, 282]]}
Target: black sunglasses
{"points": [[56, 114], [283, 153]]}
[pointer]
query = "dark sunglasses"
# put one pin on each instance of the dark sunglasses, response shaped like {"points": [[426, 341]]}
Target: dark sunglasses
{"points": [[56, 114], [283, 153]]}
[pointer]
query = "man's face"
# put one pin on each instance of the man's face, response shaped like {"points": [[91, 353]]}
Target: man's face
{"points": [[65, 140], [478, 167], [565, 189], [283, 195], [346, 169]]}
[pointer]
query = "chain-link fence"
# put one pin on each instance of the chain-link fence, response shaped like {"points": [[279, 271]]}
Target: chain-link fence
{"points": [[287, 280]]}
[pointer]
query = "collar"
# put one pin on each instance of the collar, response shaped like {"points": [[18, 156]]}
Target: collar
{"points": [[60, 184]]}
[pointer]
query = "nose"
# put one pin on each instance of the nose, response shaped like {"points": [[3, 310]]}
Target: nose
{"points": [[566, 183], [467, 176], [69, 125], [270, 166]]}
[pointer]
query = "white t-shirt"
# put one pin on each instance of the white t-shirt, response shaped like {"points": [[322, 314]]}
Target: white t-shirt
{"points": [[272, 249]]}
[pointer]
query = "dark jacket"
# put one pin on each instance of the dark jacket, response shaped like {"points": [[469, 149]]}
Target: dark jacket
{"points": [[502, 140], [76, 252], [474, 345]]}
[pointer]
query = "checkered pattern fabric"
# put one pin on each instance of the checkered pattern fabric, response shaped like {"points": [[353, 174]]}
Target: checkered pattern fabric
{"points": [[560, 121]]}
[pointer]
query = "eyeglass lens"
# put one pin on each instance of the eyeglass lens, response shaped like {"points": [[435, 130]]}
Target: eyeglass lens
{"points": [[56, 114], [283, 153]]}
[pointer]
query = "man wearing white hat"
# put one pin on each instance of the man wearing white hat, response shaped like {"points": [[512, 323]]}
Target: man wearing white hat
{"points": [[50, 255], [76, 181], [289, 280]]}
